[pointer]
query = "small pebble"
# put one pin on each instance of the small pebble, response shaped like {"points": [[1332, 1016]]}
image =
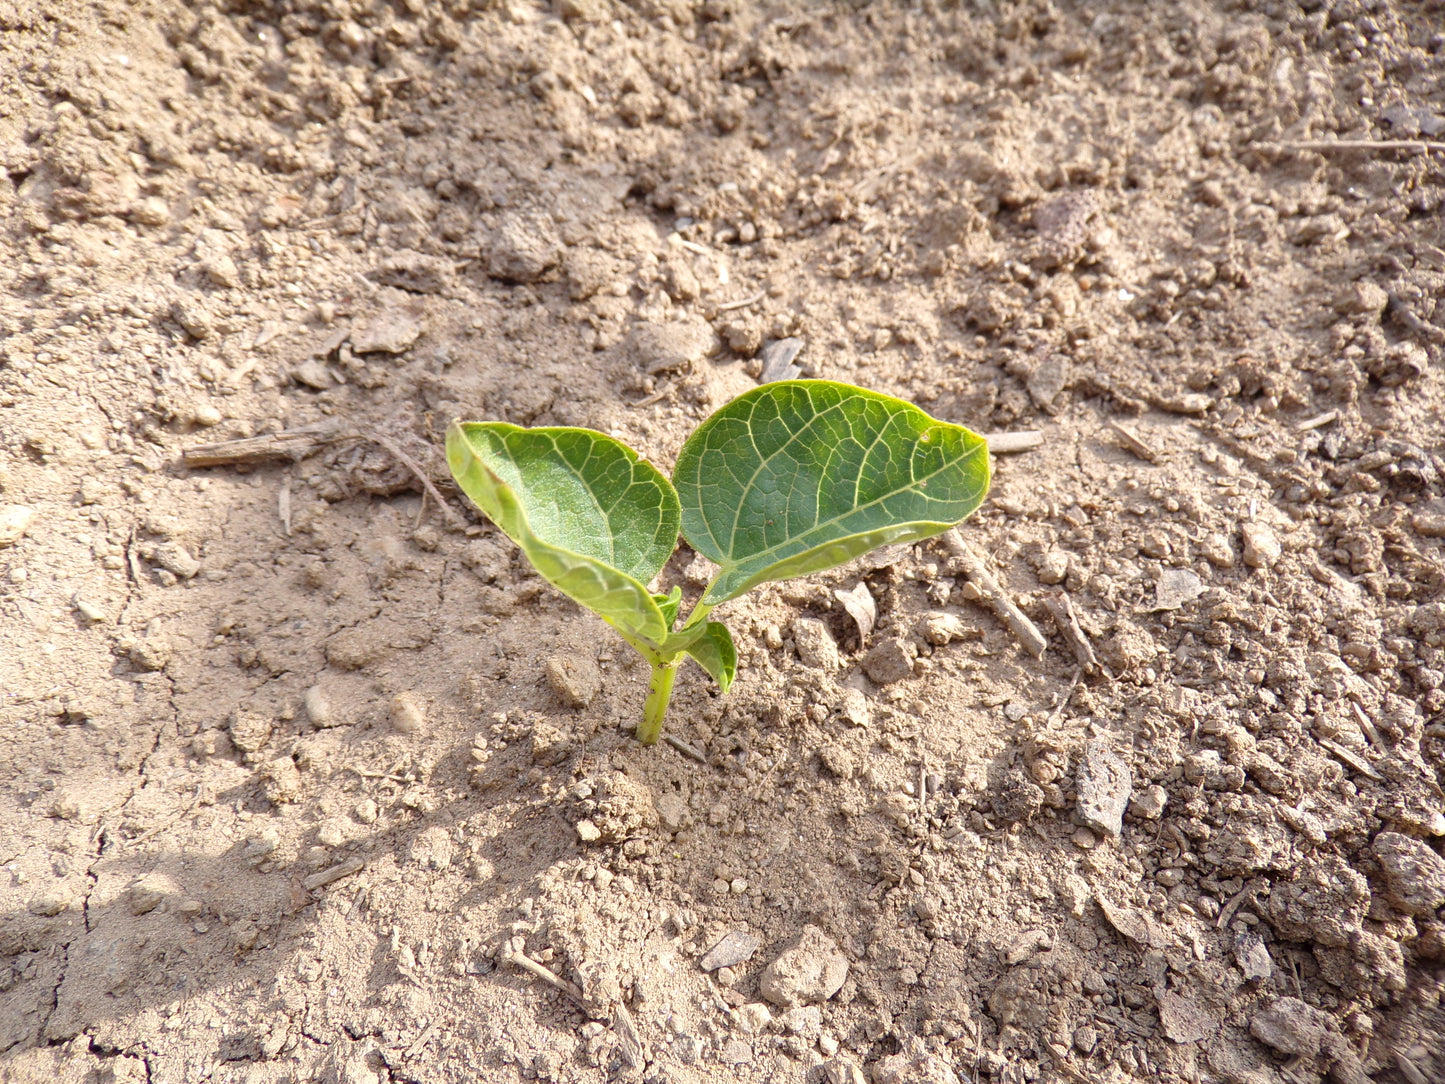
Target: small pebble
{"points": [[145, 896], [755, 1017], [1054, 568], [312, 373], [735, 947], [815, 644], [390, 332], [673, 347], [576, 679], [331, 834], [1085, 840], [1104, 784], [1150, 805], [1291, 1027], [525, 248], [15, 520], [1261, 546], [365, 811], [588, 832], [890, 661], [151, 211], [811, 968], [408, 713], [48, 905], [318, 708]]}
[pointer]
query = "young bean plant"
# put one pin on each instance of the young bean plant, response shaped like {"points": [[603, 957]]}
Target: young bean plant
{"points": [[790, 478]]}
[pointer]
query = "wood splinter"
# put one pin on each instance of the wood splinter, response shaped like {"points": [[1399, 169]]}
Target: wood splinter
{"points": [[1062, 611], [972, 565], [622, 1024]]}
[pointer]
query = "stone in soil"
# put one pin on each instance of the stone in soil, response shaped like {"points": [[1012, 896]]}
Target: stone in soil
{"points": [[676, 346], [1289, 1026], [1016, 798], [1176, 587], [913, 1065], [408, 713], [853, 708], [835, 1071], [735, 947], [319, 709], [525, 248], [890, 661], [391, 332], [1414, 874], [811, 968], [575, 679], [1185, 1019], [816, 647], [672, 812], [15, 520], [1104, 784], [1047, 382], [1261, 546], [941, 628], [1252, 958]]}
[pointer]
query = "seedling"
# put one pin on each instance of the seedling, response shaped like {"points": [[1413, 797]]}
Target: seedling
{"points": [[790, 478]]}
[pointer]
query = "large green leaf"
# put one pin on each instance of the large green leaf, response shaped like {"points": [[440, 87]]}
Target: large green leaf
{"points": [[798, 476], [594, 518]]}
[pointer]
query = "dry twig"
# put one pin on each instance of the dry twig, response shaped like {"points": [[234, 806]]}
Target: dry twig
{"points": [[1326, 146], [1134, 443], [1062, 611], [972, 565], [1025, 440], [733, 306]]}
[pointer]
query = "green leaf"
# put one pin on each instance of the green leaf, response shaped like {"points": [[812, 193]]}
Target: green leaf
{"points": [[669, 605], [594, 518], [798, 476], [715, 653]]}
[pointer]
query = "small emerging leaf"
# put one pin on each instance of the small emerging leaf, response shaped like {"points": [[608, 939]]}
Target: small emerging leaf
{"points": [[669, 605], [715, 653], [802, 475], [594, 518]]}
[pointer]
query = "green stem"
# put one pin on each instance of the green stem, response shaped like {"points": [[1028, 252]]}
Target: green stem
{"points": [[697, 616], [659, 695]]}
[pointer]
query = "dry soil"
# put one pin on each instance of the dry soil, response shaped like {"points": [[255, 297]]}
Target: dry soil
{"points": [[306, 777]]}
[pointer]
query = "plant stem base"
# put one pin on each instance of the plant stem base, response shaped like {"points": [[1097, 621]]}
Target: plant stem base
{"points": [[659, 695]]}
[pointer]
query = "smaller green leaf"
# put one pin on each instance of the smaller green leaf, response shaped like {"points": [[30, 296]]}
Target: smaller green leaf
{"points": [[669, 605], [715, 653], [593, 517]]}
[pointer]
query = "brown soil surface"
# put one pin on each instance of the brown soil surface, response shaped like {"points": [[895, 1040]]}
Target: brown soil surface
{"points": [[292, 761]]}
